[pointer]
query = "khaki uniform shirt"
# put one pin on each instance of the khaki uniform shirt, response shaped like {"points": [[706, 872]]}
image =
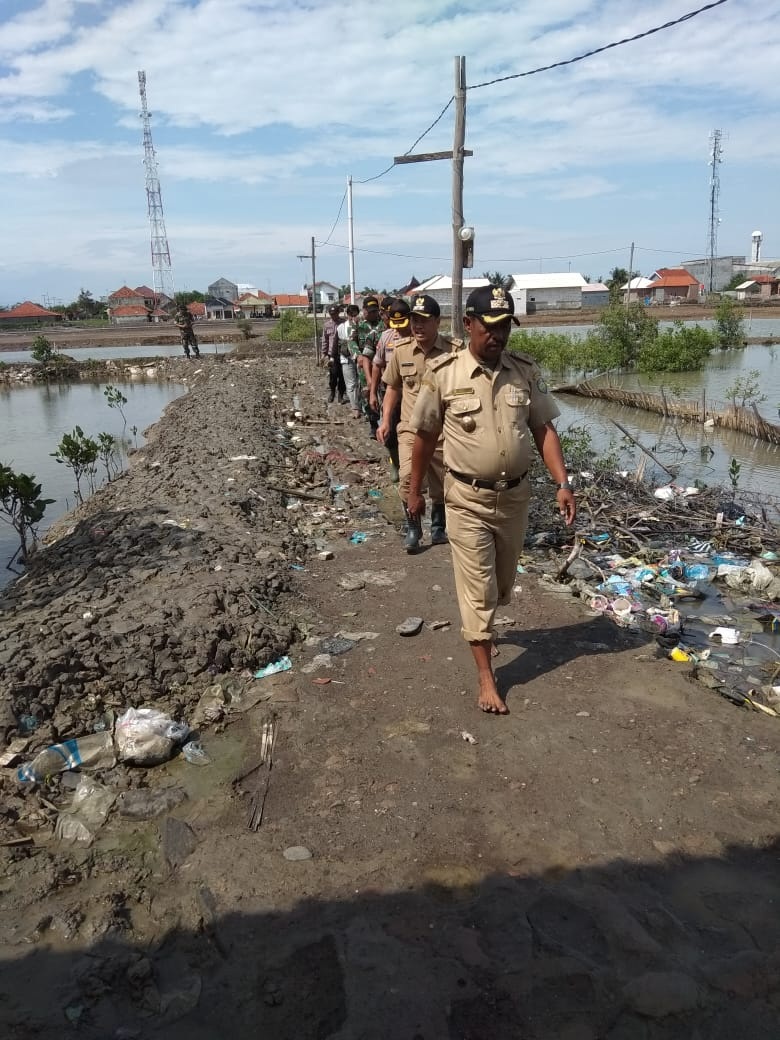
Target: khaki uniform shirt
{"points": [[486, 416], [405, 371]]}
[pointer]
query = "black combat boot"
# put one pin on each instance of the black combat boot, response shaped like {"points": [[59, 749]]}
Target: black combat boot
{"points": [[413, 534], [438, 525]]}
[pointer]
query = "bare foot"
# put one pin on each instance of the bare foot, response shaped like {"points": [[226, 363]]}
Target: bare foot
{"points": [[494, 651], [489, 700]]}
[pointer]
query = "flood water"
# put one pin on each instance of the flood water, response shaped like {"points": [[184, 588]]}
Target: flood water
{"points": [[759, 461], [140, 350], [34, 418]]}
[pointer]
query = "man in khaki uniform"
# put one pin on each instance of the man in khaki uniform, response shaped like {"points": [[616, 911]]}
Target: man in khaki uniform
{"points": [[489, 404], [402, 378]]}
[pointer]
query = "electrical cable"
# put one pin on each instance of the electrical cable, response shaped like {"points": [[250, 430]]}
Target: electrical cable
{"points": [[600, 50], [527, 260], [335, 222], [409, 150]]}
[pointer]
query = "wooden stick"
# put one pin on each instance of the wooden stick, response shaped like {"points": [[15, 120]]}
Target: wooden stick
{"points": [[647, 451]]}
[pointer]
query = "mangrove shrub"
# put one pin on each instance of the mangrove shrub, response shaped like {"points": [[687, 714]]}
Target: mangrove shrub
{"points": [[729, 322], [683, 348], [21, 506]]}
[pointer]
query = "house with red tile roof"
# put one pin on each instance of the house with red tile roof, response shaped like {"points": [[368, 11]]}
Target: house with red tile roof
{"points": [[255, 304], [29, 313], [761, 286], [669, 284], [291, 302]]}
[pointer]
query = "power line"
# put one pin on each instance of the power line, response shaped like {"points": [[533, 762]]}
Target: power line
{"points": [[335, 222], [527, 260], [411, 147], [600, 50]]}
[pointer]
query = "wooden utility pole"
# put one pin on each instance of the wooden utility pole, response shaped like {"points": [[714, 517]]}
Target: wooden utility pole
{"points": [[311, 256], [458, 144], [457, 155], [630, 269]]}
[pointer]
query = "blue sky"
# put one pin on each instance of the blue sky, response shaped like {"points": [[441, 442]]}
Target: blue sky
{"points": [[261, 110]]}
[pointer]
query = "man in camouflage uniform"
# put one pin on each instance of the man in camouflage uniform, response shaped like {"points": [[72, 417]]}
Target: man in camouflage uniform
{"points": [[490, 405], [183, 321]]}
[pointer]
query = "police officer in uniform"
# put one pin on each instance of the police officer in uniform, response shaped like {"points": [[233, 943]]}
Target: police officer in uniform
{"points": [[403, 378], [490, 405]]}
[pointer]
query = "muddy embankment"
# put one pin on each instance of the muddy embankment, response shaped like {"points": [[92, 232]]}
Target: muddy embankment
{"points": [[601, 864]]}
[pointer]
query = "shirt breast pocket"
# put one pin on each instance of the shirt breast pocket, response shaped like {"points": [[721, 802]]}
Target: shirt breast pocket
{"points": [[466, 412], [517, 402]]}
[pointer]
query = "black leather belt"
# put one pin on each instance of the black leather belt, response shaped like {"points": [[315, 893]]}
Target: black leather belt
{"points": [[489, 485]]}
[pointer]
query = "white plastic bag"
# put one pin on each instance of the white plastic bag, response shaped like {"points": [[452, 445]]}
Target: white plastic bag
{"points": [[87, 813], [147, 737]]}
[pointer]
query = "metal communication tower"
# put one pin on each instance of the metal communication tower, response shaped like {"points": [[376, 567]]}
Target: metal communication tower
{"points": [[162, 272], [716, 158]]}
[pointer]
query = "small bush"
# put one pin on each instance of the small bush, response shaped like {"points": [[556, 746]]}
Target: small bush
{"points": [[292, 327], [42, 350], [683, 348]]}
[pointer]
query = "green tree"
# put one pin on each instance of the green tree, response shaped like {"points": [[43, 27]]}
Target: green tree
{"points": [[622, 332], [746, 390], [503, 281], [85, 306], [108, 453], [729, 322], [683, 348], [244, 326], [184, 298], [42, 350], [22, 507], [116, 399], [79, 453]]}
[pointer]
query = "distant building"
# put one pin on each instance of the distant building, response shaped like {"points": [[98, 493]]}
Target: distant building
{"points": [[637, 289], [326, 293], [127, 306], [440, 288], [674, 285], [255, 305], [291, 302], [762, 287], [223, 289], [595, 294], [723, 270], [29, 313], [551, 291], [218, 308]]}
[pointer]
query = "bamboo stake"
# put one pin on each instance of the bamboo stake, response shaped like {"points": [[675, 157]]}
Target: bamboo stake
{"points": [[647, 451]]}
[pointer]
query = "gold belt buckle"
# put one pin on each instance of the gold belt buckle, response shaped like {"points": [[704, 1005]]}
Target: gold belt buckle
{"points": [[501, 485]]}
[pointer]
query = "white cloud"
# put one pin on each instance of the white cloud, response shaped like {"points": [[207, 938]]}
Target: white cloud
{"points": [[268, 108]]}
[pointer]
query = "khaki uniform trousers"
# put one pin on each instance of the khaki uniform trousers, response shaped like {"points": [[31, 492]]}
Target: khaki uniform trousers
{"points": [[486, 530], [434, 479]]}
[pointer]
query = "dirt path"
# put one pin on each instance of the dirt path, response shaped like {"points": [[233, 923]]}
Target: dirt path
{"points": [[602, 863]]}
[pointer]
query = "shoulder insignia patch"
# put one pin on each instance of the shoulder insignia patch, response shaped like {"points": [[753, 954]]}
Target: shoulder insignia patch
{"points": [[541, 386], [439, 362]]}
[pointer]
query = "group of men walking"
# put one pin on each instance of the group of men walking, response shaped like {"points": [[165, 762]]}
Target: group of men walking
{"points": [[377, 365], [462, 420]]}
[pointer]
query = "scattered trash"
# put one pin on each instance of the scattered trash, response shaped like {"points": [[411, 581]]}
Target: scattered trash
{"points": [[583, 714], [326, 554], [87, 813], [434, 626], [727, 636], [357, 537], [146, 804], [336, 646], [147, 737], [504, 622], [242, 458], [410, 627], [521, 569], [28, 724], [195, 753], [210, 708], [296, 853], [375, 493], [468, 737], [318, 661], [339, 487], [296, 567], [95, 751], [321, 681], [284, 664]]}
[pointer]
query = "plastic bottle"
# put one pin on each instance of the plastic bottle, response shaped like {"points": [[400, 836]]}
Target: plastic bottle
{"points": [[95, 750]]}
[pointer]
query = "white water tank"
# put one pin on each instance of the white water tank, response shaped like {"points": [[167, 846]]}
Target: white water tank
{"points": [[755, 250]]}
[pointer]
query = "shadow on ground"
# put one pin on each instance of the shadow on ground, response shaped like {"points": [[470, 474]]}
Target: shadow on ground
{"points": [[684, 949], [546, 649]]}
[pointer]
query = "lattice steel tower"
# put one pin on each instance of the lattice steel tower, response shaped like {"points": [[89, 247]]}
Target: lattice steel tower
{"points": [[716, 158], [162, 273]]}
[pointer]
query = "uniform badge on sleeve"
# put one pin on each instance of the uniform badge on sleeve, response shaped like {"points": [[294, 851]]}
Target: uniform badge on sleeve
{"points": [[541, 386]]}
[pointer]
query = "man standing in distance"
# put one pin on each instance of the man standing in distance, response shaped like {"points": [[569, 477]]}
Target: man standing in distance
{"points": [[403, 378], [489, 403], [331, 354]]}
